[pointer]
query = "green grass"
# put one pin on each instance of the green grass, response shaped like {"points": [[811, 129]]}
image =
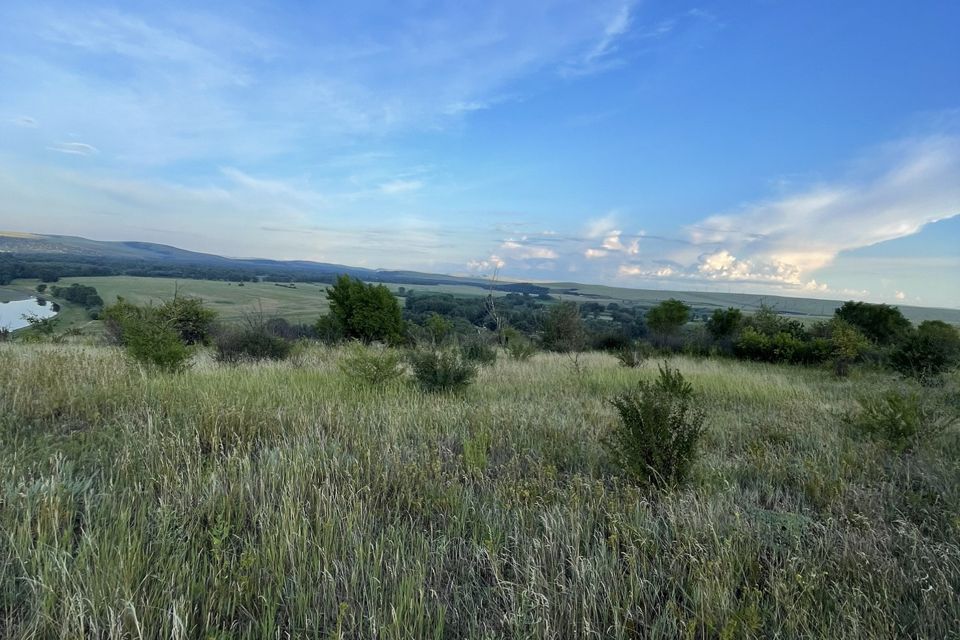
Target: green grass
{"points": [[283, 500], [303, 304]]}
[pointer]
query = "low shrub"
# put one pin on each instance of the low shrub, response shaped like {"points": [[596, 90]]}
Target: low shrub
{"points": [[250, 343], [479, 352], [611, 342], [928, 352], [656, 439], [901, 420], [518, 346], [442, 371], [634, 355], [153, 342], [373, 366]]}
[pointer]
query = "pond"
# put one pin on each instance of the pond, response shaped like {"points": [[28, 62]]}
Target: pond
{"points": [[12, 314]]}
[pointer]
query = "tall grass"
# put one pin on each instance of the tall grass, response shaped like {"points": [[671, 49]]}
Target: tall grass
{"points": [[282, 500]]}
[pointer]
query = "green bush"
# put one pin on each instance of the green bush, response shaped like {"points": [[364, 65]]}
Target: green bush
{"points": [[656, 439], [518, 346], [250, 343], [442, 371], [479, 352], [901, 420], [373, 366], [153, 342], [724, 323], [189, 318], [927, 353], [365, 312]]}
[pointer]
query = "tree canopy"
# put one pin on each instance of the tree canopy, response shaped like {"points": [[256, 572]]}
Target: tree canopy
{"points": [[366, 312], [667, 317]]}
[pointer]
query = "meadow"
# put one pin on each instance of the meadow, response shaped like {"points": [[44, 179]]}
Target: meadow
{"points": [[282, 499]]}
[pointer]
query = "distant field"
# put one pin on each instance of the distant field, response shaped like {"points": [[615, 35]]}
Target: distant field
{"points": [[747, 302], [301, 304], [307, 301]]}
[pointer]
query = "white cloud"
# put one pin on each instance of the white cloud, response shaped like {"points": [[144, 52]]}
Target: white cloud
{"points": [[395, 187], [900, 295], [915, 184], [75, 148], [591, 254]]}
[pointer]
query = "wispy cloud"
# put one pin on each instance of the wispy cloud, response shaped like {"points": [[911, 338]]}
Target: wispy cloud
{"points": [[395, 187], [601, 55], [75, 148]]}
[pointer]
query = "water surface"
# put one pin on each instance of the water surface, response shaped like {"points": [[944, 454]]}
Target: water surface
{"points": [[13, 314]]}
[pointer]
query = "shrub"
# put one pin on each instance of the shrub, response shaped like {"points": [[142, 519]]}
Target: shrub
{"points": [[930, 351], [189, 318], [563, 329], [152, 342], [479, 352], [656, 439], [879, 322], [518, 346], [900, 420], [846, 345], [5, 334], [612, 342], [118, 316], [253, 342], [723, 323], [439, 328], [752, 345], [442, 371], [373, 366], [634, 355]]}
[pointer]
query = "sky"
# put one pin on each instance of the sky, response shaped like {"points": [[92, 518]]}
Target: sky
{"points": [[798, 148]]}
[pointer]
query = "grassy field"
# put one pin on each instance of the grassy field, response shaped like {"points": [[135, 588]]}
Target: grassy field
{"points": [[282, 500]]}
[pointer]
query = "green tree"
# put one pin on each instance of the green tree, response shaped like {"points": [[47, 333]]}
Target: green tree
{"points": [[439, 328], [563, 329], [847, 344], [881, 323], [668, 317], [366, 312], [723, 323]]}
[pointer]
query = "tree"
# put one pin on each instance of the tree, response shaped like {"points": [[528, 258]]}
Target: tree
{"points": [[847, 344], [563, 329], [366, 312], [667, 317], [881, 323], [928, 352], [439, 328], [723, 323]]}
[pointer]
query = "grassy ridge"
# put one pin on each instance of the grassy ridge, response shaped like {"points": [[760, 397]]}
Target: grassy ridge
{"points": [[274, 499]]}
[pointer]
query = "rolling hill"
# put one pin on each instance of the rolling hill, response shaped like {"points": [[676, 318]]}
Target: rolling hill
{"points": [[134, 258]]}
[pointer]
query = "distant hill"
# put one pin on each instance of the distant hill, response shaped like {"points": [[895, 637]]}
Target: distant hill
{"points": [[74, 256]]}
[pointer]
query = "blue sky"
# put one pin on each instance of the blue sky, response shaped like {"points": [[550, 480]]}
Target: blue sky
{"points": [[802, 148]]}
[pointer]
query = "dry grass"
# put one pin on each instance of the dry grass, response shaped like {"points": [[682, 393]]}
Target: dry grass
{"points": [[281, 500]]}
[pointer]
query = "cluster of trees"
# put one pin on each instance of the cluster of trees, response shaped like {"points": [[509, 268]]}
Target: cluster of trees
{"points": [[858, 329], [81, 294]]}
